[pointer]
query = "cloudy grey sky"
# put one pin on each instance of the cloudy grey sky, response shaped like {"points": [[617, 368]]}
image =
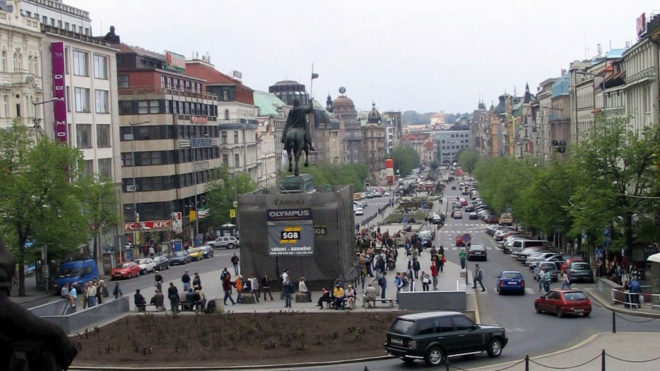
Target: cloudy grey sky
{"points": [[402, 55]]}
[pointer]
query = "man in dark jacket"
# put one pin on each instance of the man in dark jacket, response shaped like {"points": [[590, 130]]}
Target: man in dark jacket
{"points": [[186, 281], [173, 295], [140, 303]]}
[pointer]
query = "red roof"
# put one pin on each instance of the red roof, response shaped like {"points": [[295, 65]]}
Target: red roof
{"points": [[214, 77]]}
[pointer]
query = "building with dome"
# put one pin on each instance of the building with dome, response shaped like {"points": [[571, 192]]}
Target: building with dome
{"points": [[350, 128], [375, 142]]}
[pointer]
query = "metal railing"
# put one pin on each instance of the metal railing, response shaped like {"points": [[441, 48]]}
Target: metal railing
{"points": [[635, 300]]}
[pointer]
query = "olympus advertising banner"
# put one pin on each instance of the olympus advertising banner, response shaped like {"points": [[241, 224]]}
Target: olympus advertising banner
{"points": [[290, 225]]}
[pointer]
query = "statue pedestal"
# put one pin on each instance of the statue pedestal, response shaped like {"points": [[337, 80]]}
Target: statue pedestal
{"points": [[303, 183]]}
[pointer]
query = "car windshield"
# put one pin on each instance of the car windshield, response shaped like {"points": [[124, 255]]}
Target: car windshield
{"points": [[404, 327], [572, 296], [581, 266], [127, 265], [69, 272], [180, 253], [548, 266], [476, 247], [511, 275], [142, 261]]}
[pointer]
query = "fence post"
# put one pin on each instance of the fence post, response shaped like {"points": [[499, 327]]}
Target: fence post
{"points": [[613, 322], [602, 360], [527, 362]]}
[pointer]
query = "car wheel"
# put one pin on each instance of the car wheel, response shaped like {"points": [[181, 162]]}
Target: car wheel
{"points": [[586, 314], [435, 356], [498, 291], [408, 361], [230, 246], [560, 314], [494, 348], [538, 309]]}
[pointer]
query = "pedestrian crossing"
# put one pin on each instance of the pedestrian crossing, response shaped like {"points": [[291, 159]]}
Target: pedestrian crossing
{"points": [[455, 248]]}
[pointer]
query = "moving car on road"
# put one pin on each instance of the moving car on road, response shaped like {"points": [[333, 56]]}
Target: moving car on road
{"points": [[228, 242], [510, 281], [477, 252], [434, 336], [580, 271], [195, 254], [127, 270], [562, 302], [358, 211], [207, 251]]}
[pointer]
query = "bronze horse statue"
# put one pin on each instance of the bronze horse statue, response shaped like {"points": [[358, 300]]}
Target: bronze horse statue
{"points": [[296, 136], [295, 145]]}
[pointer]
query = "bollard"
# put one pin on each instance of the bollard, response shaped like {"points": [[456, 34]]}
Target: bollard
{"points": [[527, 362], [602, 360], [613, 322]]}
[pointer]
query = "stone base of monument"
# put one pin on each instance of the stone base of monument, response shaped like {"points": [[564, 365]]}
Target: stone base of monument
{"points": [[247, 299], [219, 306], [302, 297], [303, 183]]}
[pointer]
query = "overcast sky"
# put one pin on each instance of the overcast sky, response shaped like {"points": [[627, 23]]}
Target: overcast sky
{"points": [[402, 55]]}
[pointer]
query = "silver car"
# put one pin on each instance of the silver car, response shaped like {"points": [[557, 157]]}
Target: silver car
{"points": [[227, 242]]}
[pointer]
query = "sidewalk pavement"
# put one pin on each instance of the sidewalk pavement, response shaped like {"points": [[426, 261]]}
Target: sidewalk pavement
{"points": [[606, 301], [624, 351]]}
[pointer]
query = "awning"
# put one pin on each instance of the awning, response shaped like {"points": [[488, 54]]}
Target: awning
{"points": [[655, 258]]}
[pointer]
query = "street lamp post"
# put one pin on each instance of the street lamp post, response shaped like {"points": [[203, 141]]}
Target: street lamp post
{"points": [[36, 121], [136, 221]]}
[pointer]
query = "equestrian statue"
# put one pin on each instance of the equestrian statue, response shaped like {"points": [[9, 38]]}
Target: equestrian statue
{"points": [[296, 136]]}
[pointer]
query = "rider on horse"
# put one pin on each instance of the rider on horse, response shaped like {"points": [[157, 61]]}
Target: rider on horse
{"points": [[297, 119]]}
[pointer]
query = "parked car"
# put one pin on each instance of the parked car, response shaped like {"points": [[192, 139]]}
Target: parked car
{"points": [[568, 262], [562, 302], [457, 215], [228, 242], [580, 271], [506, 219], [161, 262], [477, 252], [433, 336], [473, 216], [521, 256], [491, 218], [543, 257], [207, 251], [195, 254], [510, 281], [179, 257], [146, 265], [358, 211], [127, 270]]}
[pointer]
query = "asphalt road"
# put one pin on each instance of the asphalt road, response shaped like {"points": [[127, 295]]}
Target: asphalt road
{"points": [[529, 333]]}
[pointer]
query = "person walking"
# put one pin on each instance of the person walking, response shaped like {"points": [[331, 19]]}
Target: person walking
{"points": [[546, 281], [398, 283], [416, 267], [234, 261], [565, 281], [185, 279], [540, 276], [478, 276], [462, 254], [226, 287], [382, 282], [265, 287], [116, 292], [426, 280], [434, 274], [159, 281]]}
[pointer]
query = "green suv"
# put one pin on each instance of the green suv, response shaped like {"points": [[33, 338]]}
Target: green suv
{"points": [[434, 336]]}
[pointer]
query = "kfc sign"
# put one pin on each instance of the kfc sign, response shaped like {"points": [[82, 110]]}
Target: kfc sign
{"points": [[149, 225]]}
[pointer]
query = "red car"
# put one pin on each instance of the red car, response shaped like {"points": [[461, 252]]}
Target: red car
{"points": [[127, 270], [562, 302], [568, 261]]}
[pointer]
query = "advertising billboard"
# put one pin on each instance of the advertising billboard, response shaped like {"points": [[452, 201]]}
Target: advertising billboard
{"points": [[290, 226], [59, 92]]}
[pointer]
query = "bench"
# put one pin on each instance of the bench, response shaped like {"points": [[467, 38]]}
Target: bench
{"points": [[302, 297], [247, 298], [366, 302], [151, 308]]}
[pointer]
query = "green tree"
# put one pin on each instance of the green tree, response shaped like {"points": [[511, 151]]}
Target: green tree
{"points": [[615, 172], [100, 203], [221, 194], [336, 174], [405, 159], [39, 198], [468, 160]]}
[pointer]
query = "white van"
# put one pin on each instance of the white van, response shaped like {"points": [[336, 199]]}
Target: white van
{"points": [[520, 245]]}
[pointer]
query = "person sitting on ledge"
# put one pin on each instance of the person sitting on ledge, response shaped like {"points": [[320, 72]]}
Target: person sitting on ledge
{"points": [[370, 295], [157, 300], [324, 298], [302, 288], [338, 297], [140, 303]]}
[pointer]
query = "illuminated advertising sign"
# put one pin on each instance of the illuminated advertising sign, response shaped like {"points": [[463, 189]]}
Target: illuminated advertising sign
{"points": [[59, 86]]}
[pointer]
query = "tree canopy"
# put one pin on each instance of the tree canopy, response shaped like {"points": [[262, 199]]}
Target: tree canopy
{"points": [[405, 159], [338, 174]]}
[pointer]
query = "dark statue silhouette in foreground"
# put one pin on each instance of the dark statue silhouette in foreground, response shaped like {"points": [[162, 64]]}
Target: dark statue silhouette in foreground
{"points": [[28, 342], [296, 136]]}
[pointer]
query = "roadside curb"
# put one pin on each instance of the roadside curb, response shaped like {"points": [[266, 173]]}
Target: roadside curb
{"points": [[244, 367], [613, 308], [558, 352]]}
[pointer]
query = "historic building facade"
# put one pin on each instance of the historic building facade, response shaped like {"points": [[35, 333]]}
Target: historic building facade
{"points": [[375, 142]]}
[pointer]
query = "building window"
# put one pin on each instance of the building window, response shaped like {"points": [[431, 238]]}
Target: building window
{"points": [[122, 81], [44, 20], [163, 82], [105, 168], [84, 135], [101, 100], [87, 31], [82, 99], [226, 114], [89, 168], [224, 135], [80, 63], [6, 105], [148, 106], [68, 99], [52, 22], [4, 61], [102, 136], [59, 24], [100, 67], [66, 26], [235, 136], [237, 160]]}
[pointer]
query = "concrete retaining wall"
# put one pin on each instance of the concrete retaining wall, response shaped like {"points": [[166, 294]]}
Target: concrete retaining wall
{"points": [[82, 319], [433, 300]]}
